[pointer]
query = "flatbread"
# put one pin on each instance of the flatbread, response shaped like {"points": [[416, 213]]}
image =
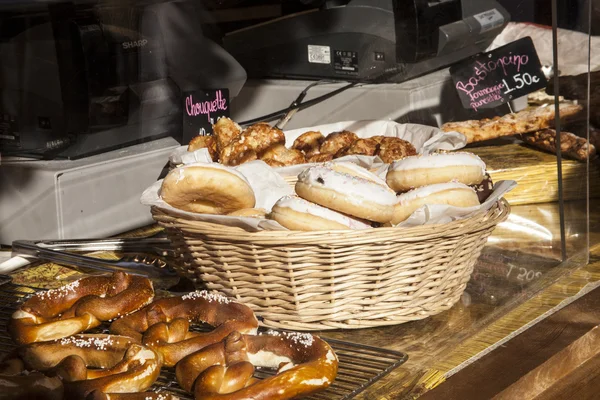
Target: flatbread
{"points": [[526, 121], [571, 145]]}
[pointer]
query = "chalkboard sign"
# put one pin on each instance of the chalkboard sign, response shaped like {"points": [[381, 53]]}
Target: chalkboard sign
{"points": [[491, 79], [201, 109]]}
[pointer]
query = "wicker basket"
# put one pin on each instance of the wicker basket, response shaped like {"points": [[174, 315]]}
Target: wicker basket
{"points": [[340, 279]]}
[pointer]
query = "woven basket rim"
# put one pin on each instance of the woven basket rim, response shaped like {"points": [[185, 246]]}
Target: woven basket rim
{"points": [[477, 222]]}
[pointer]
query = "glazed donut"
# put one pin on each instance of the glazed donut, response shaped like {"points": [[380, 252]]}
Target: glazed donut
{"points": [[485, 188], [18, 384], [164, 324], [305, 363], [85, 363], [298, 214], [79, 306], [355, 170], [452, 194], [207, 189], [416, 171], [347, 194]]}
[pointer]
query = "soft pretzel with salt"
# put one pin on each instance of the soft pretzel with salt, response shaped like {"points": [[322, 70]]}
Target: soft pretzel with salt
{"points": [[223, 371], [18, 384], [88, 363], [79, 306], [164, 324]]}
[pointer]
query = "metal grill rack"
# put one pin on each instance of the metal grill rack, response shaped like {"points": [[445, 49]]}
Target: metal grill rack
{"points": [[359, 365]]}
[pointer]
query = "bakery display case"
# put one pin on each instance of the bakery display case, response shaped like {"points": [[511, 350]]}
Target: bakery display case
{"points": [[337, 199]]}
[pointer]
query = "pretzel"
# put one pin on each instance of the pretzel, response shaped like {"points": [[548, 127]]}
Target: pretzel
{"points": [[88, 363], [98, 395], [164, 324], [19, 384], [224, 370], [78, 306]]}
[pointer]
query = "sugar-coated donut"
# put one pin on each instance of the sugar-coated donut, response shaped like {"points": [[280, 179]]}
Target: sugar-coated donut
{"points": [[416, 171], [348, 194], [298, 214], [452, 194], [207, 189], [355, 170]]}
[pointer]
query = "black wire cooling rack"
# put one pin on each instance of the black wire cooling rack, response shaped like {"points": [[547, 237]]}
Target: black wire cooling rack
{"points": [[359, 365]]}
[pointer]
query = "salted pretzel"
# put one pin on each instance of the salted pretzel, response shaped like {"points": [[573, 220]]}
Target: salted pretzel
{"points": [[224, 370], [250, 143], [88, 363], [164, 324], [81, 305], [18, 384]]}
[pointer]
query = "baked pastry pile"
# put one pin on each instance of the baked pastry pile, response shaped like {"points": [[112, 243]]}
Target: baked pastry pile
{"points": [[535, 127], [441, 179], [231, 145], [58, 360], [337, 195]]}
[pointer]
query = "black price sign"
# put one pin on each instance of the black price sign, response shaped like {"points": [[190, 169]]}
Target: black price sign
{"points": [[201, 109], [491, 79]]}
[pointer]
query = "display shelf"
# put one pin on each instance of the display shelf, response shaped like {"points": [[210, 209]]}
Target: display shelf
{"points": [[496, 306], [536, 173]]}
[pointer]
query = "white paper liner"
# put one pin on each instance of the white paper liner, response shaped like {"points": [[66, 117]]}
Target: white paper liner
{"points": [[442, 214], [426, 139], [270, 186]]}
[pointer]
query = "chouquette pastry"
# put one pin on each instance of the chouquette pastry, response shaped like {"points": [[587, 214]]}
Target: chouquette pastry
{"points": [[207, 189], [298, 214], [346, 193], [452, 194], [416, 171]]}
